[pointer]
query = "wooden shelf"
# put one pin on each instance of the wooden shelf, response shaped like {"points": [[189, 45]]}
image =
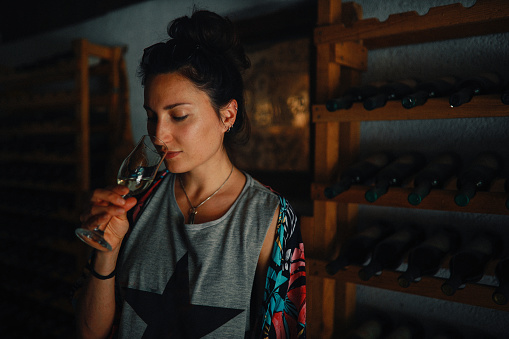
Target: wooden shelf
{"points": [[441, 200], [440, 23], [48, 128], [62, 70], [343, 40], [53, 100], [482, 106], [50, 187], [39, 158], [42, 129], [40, 297], [472, 294], [62, 117]]}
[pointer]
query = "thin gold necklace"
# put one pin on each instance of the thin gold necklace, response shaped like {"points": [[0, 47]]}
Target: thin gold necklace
{"points": [[193, 210]]}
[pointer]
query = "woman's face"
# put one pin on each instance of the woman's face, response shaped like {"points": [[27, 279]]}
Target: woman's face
{"points": [[182, 116]]}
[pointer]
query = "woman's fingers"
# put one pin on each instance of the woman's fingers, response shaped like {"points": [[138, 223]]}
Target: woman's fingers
{"points": [[107, 196], [105, 204], [101, 215]]}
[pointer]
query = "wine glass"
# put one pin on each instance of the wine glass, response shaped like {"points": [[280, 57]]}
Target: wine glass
{"points": [[137, 172]]}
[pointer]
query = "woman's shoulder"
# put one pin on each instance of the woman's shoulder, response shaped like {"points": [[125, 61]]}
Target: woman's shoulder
{"points": [[261, 188], [267, 192]]}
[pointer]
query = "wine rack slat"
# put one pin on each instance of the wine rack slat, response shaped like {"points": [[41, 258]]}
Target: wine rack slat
{"points": [[438, 199], [481, 106], [440, 23], [472, 294]]}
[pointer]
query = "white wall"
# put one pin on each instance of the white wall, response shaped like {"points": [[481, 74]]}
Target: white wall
{"points": [[143, 24]]}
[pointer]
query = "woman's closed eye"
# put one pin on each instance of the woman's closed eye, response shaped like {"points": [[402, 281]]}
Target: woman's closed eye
{"points": [[179, 117]]}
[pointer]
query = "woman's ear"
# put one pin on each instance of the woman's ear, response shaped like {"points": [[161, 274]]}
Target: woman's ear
{"points": [[229, 114]]}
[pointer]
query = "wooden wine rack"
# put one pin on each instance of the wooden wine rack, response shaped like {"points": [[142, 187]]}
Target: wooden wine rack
{"points": [[343, 40], [66, 127]]}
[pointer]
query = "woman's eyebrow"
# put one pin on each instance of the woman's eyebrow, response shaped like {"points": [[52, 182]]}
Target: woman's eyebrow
{"points": [[166, 108]]}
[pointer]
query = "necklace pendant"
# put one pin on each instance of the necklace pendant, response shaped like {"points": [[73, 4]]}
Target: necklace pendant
{"points": [[192, 210], [192, 213]]}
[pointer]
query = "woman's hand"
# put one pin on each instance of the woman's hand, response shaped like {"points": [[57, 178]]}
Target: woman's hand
{"points": [[107, 210]]}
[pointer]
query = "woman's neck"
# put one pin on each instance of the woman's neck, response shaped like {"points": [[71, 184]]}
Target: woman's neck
{"points": [[202, 181]]}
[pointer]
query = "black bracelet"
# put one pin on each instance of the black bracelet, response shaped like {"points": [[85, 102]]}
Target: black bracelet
{"points": [[90, 267]]}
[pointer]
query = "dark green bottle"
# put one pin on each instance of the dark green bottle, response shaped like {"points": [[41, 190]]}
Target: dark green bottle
{"points": [[434, 175], [390, 252], [353, 94], [506, 186], [468, 265], [391, 91], [407, 329], [359, 173], [429, 89], [482, 84], [372, 327], [395, 173], [357, 249], [426, 258], [501, 294], [478, 176], [505, 95]]}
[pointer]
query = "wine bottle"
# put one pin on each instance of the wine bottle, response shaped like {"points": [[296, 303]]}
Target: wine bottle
{"points": [[359, 173], [478, 176], [501, 294], [434, 175], [408, 329], [468, 265], [395, 173], [353, 94], [390, 252], [506, 186], [447, 333], [504, 97], [482, 84], [426, 258], [429, 89], [390, 91], [373, 327], [357, 249]]}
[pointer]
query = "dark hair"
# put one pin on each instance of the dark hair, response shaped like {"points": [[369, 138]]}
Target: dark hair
{"points": [[205, 49]]}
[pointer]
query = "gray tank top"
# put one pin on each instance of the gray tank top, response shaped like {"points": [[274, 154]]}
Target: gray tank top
{"points": [[190, 281]]}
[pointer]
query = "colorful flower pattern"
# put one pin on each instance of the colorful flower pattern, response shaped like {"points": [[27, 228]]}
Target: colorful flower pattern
{"points": [[285, 288]]}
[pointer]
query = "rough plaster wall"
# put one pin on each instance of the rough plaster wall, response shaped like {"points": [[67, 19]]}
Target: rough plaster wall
{"points": [[462, 57]]}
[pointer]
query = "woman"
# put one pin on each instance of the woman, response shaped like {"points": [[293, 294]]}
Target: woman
{"points": [[207, 251]]}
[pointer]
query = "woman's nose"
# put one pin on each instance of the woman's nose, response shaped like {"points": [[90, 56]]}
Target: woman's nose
{"points": [[159, 144], [163, 132]]}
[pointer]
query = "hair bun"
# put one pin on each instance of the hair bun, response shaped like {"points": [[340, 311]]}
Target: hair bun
{"points": [[212, 32]]}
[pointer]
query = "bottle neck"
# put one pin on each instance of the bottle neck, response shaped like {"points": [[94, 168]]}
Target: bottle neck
{"points": [[370, 270], [419, 192]]}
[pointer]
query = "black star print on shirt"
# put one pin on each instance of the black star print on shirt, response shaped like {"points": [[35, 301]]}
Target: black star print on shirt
{"points": [[171, 315]]}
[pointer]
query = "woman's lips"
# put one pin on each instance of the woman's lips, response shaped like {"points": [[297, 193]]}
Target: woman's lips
{"points": [[171, 155]]}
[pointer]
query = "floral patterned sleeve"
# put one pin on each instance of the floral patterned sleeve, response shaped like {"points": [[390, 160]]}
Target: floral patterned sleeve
{"points": [[284, 306]]}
